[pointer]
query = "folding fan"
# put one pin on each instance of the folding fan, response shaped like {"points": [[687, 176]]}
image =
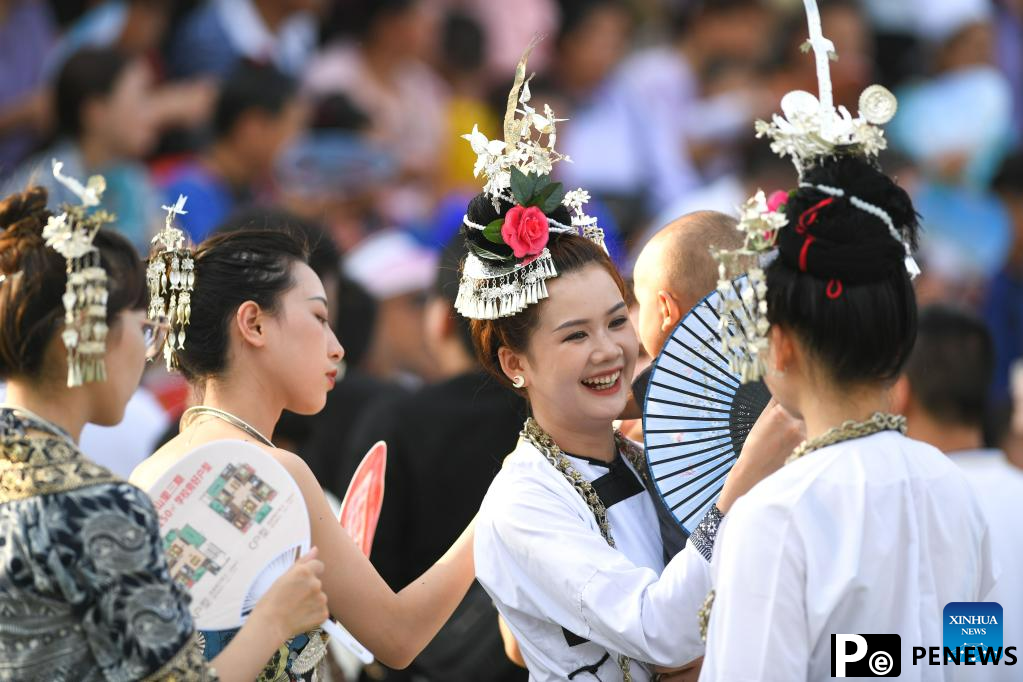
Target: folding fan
{"points": [[697, 412], [232, 520]]}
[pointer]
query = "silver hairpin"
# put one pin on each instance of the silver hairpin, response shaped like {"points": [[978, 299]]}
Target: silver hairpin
{"points": [[170, 276], [71, 234]]}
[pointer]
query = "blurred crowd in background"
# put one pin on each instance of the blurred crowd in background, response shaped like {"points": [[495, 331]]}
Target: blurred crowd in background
{"points": [[342, 119]]}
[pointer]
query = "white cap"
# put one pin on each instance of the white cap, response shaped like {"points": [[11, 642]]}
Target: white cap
{"points": [[390, 264]]}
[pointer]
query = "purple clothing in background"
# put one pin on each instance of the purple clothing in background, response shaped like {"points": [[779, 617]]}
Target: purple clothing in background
{"points": [[1009, 27], [26, 36]]}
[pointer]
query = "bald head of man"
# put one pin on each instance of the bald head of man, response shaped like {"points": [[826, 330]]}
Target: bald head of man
{"points": [[676, 269]]}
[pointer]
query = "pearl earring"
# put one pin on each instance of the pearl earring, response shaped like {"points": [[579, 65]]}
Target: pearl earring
{"points": [[519, 381]]}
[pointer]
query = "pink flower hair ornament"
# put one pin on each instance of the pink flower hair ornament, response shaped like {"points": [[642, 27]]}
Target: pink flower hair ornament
{"points": [[776, 202]]}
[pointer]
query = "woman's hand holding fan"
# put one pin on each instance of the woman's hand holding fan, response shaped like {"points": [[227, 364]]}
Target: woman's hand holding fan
{"points": [[295, 600]]}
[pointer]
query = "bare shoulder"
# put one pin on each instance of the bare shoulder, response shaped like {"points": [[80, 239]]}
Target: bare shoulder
{"points": [[151, 468], [316, 502], [289, 460], [294, 465]]}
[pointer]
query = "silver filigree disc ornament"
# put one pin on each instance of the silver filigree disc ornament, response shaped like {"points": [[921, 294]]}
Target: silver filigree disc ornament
{"points": [[878, 105]]}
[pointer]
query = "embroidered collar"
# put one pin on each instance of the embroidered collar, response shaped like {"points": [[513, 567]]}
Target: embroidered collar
{"points": [[33, 465], [534, 434]]}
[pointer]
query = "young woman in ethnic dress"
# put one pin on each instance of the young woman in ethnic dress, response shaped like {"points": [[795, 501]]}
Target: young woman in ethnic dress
{"points": [[567, 539], [85, 593], [258, 343], [864, 530]]}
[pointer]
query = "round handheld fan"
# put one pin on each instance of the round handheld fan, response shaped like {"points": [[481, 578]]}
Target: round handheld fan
{"points": [[233, 520], [697, 413]]}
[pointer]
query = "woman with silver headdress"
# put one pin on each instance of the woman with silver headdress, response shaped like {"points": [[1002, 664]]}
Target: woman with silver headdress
{"points": [[567, 539], [249, 330], [864, 530], [85, 593]]}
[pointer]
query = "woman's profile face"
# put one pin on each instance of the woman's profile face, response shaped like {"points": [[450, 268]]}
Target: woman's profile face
{"points": [[582, 354], [303, 352]]}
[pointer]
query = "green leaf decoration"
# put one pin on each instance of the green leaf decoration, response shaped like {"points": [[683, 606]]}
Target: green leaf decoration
{"points": [[539, 182], [542, 195], [550, 197], [489, 255], [521, 186], [526, 187], [493, 231]]}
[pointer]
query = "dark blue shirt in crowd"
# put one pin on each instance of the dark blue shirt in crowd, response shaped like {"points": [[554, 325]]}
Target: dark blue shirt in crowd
{"points": [[1003, 311]]}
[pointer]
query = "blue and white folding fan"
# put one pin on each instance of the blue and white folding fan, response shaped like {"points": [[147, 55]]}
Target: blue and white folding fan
{"points": [[697, 412]]}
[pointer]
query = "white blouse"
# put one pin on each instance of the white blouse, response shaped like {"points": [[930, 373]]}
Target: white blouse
{"points": [[874, 535], [573, 602]]}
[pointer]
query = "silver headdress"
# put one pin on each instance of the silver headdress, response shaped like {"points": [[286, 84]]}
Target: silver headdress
{"points": [[809, 129], [517, 169], [170, 276], [85, 295], [812, 127]]}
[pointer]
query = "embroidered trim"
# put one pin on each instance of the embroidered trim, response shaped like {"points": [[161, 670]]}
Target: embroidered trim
{"points": [[187, 664], [706, 533], [41, 465]]}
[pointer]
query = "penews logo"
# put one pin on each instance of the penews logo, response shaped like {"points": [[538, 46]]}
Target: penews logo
{"points": [[974, 628], [866, 655], [971, 635]]}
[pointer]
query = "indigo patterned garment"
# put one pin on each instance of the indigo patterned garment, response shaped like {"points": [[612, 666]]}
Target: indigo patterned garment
{"points": [[85, 593], [299, 660]]}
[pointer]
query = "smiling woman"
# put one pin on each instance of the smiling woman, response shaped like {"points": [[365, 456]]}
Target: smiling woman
{"points": [[567, 541], [581, 346], [572, 255]]}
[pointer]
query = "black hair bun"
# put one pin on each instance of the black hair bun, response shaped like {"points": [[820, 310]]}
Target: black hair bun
{"points": [[830, 238]]}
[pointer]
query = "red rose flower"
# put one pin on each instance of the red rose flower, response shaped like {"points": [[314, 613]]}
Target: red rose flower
{"points": [[525, 230], [777, 200]]}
